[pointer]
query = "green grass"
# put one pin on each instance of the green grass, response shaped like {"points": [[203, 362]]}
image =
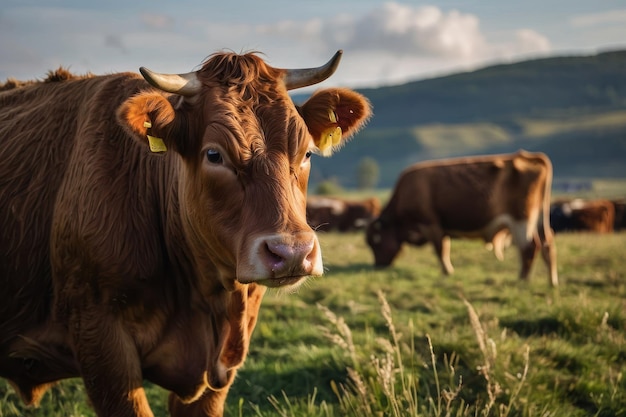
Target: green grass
{"points": [[407, 341]]}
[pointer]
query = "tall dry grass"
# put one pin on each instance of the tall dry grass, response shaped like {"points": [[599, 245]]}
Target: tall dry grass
{"points": [[384, 376]]}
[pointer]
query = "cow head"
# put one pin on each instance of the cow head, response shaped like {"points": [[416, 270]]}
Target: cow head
{"points": [[242, 151], [384, 241]]}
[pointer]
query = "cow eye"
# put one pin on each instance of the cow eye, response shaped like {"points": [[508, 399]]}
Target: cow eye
{"points": [[307, 158], [214, 156]]}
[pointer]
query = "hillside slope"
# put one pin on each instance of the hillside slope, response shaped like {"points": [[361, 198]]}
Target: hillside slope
{"points": [[572, 108]]}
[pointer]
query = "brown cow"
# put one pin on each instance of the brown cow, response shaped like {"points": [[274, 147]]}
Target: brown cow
{"points": [[484, 197], [333, 213], [619, 207], [118, 264], [583, 215]]}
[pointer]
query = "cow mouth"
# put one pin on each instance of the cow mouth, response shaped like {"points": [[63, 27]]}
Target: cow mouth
{"points": [[277, 282]]}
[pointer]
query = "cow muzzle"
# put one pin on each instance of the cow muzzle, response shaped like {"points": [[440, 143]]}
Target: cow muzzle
{"points": [[281, 260]]}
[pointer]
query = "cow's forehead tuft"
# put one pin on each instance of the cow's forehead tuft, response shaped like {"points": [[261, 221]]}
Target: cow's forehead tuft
{"points": [[247, 76]]}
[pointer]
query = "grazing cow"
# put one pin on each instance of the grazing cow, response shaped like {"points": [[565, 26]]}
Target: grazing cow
{"points": [[332, 213], [486, 197], [142, 221], [579, 215], [619, 206]]}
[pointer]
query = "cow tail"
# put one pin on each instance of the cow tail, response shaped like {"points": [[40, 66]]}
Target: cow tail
{"points": [[547, 197], [548, 250]]}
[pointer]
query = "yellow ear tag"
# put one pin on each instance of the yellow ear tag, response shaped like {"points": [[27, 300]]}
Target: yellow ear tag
{"points": [[156, 144], [329, 138], [326, 142], [336, 136], [332, 115]]}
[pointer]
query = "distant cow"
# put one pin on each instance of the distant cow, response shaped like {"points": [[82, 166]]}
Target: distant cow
{"points": [[140, 226], [332, 213], [579, 215], [485, 197], [619, 206]]}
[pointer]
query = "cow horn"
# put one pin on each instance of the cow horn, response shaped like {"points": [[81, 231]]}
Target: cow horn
{"points": [[298, 78], [186, 85]]}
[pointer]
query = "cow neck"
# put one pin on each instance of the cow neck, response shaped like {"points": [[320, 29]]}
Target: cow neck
{"points": [[199, 275]]}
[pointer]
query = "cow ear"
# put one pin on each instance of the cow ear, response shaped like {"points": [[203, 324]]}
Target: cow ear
{"points": [[146, 117], [334, 115]]}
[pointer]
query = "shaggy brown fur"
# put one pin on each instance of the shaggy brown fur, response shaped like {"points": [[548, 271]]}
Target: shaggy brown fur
{"points": [[117, 265], [60, 74]]}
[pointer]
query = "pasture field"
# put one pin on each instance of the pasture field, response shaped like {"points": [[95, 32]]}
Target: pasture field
{"points": [[406, 341]]}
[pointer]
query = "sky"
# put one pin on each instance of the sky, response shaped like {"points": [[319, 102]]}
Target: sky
{"points": [[384, 42]]}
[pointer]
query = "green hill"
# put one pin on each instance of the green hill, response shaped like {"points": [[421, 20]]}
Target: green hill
{"points": [[572, 108]]}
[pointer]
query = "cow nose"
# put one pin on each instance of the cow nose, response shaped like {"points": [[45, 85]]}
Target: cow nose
{"points": [[290, 258], [281, 259]]}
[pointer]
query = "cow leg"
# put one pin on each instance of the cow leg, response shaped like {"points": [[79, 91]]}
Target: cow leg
{"points": [[540, 239], [527, 243], [527, 256], [109, 365], [210, 404], [548, 253], [442, 249]]}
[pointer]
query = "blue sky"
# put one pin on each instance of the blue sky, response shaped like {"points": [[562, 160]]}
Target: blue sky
{"points": [[384, 43]]}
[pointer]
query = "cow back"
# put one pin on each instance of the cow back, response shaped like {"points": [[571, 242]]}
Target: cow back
{"points": [[467, 193]]}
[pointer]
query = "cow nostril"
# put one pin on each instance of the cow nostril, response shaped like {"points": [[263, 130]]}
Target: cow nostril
{"points": [[276, 259], [275, 255], [289, 258]]}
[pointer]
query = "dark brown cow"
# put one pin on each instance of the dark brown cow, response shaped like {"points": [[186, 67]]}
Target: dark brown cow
{"points": [[119, 265], [333, 213], [484, 197], [619, 207], [583, 215]]}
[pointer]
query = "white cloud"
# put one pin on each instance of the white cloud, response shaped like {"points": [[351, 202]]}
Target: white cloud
{"points": [[426, 30], [519, 44], [528, 40], [397, 42], [595, 19], [391, 28], [391, 43], [401, 32]]}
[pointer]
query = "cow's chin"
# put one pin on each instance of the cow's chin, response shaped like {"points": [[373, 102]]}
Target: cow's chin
{"points": [[287, 283]]}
